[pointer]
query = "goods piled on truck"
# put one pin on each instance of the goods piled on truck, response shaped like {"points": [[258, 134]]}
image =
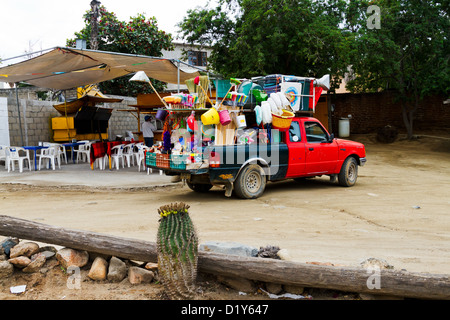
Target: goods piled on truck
{"points": [[243, 111]]}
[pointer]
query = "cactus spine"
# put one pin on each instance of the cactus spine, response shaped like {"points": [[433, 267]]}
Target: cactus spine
{"points": [[177, 250]]}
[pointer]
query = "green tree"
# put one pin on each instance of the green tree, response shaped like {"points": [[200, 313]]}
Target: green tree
{"points": [[257, 37], [409, 52], [140, 35]]}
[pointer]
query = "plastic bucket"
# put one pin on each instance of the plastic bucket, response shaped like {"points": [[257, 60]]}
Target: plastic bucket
{"points": [[240, 121], [224, 117], [161, 114], [210, 117]]}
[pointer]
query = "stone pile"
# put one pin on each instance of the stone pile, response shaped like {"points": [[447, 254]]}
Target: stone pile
{"points": [[29, 257]]}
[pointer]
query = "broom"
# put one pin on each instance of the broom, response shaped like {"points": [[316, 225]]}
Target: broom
{"points": [[197, 83]]}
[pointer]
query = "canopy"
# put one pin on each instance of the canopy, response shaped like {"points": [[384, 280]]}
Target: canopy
{"points": [[90, 98], [66, 68]]}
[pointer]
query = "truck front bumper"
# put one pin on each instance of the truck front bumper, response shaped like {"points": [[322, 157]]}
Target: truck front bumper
{"points": [[362, 161]]}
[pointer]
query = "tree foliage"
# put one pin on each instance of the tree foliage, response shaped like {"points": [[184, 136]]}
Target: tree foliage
{"points": [[140, 35], [257, 37], [408, 53]]}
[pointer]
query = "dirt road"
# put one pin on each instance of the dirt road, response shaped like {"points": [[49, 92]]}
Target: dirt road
{"points": [[398, 211]]}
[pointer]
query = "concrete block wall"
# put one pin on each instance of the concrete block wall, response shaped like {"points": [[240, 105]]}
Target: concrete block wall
{"points": [[34, 123], [122, 121]]}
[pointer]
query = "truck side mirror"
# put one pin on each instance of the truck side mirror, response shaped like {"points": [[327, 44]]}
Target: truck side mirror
{"points": [[331, 137]]}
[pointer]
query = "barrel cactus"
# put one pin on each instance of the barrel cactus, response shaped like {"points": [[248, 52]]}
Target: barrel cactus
{"points": [[177, 250]]}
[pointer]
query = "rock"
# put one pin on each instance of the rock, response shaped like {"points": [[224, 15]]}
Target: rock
{"points": [[294, 289], [3, 257], [239, 284], [37, 261], [20, 262], [376, 263], [48, 251], [24, 249], [274, 288], [284, 255], [233, 248], [387, 134], [98, 269], [138, 275], [117, 270], [6, 269], [269, 252], [46, 254], [70, 257], [151, 266], [7, 244]]}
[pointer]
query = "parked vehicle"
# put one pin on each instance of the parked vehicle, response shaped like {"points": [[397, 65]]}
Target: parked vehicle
{"points": [[306, 149]]}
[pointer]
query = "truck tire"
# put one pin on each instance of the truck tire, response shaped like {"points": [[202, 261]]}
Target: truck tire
{"points": [[197, 187], [250, 183], [349, 172]]}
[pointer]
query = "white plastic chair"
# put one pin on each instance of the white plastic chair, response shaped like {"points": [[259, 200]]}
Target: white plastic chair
{"points": [[116, 156], [101, 162], [84, 151], [128, 154], [61, 151], [18, 154], [50, 154], [140, 156], [136, 151], [3, 154]]}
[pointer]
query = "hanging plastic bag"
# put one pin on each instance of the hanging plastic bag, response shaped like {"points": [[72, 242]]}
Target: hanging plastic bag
{"points": [[258, 114]]}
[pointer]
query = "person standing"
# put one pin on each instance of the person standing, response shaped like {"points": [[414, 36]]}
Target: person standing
{"points": [[147, 131]]}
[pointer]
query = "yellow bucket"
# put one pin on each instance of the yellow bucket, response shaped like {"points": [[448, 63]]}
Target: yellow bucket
{"points": [[210, 117], [283, 121]]}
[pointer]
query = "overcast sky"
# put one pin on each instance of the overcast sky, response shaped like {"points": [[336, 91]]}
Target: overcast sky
{"points": [[44, 24]]}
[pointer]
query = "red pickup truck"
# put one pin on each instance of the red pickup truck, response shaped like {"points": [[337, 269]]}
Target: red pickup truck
{"points": [[306, 149]]}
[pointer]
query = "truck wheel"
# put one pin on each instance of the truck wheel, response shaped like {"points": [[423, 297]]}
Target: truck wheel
{"points": [[349, 172], [199, 187], [250, 183]]}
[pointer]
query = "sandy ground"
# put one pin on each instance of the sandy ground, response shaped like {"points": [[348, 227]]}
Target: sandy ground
{"points": [[398, 211]]}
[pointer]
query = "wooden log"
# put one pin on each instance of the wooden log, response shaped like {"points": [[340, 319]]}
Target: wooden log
{"points": [[377, 282]]}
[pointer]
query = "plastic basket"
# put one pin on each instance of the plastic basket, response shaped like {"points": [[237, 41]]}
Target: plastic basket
{"points": [[150, 159], [283, 121], [163, 160], [178, 161]]}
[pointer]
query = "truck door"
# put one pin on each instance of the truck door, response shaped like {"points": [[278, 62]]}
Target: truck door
{"points": [[321, 154], [296, 149]]}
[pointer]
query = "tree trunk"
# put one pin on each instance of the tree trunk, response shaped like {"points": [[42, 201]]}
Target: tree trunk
{"points": [[408, 118], [381, 282]]}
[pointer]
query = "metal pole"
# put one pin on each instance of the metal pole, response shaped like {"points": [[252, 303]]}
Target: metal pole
{"points": [[178, 74], [18, 109]]}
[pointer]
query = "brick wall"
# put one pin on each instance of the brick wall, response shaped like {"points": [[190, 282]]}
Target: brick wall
{"points": [[371, 111]]}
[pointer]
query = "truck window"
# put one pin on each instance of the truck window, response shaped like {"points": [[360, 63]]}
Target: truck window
{"points": [[294, 132], [315, 133]]}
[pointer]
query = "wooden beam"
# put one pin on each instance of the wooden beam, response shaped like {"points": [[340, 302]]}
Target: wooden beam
{"points": [[390, 282]]}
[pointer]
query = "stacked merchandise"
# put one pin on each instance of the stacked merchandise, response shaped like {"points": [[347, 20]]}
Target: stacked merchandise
{"points": [[185, 136]]}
